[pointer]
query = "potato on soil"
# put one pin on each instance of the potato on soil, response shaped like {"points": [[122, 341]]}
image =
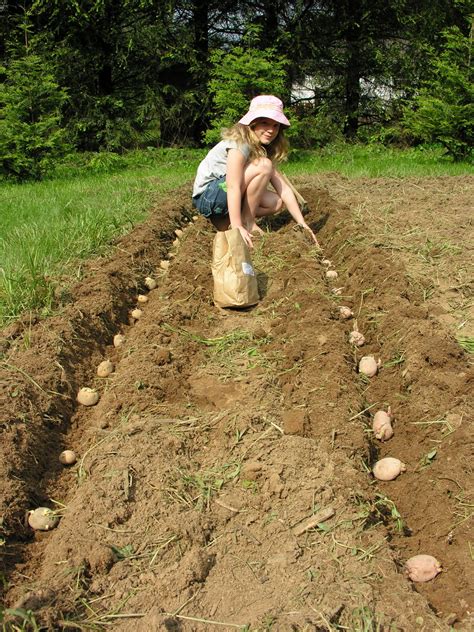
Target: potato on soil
{"points": [[422, 568], [355, 337], [388, 468], [136, 313], [67, 457], [345, 312], [369, 366], [150, 283], [164, 264], [42, 519], [331, 274], [87, 396], [142, 298], [119, 339], [105, 368], [382, 425], [178, 232]]}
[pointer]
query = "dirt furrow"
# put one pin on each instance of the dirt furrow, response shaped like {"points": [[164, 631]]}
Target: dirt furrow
{"points": [[220, 432]]}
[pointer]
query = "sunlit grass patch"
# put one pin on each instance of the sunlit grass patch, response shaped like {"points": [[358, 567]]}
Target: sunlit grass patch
{"points": [[195, 489], [431, 251], [467, 343], [356, 160], [49, 227], [233, 353]]}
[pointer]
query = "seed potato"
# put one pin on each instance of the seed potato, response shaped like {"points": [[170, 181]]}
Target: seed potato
{"points": [[422, 568], [150, 283], [369, 366], [382, 425], [388, 468], [356, 338], [87, 396], [119, 339], [345, 312], [105, 368], [42, 519], [67, 457]]}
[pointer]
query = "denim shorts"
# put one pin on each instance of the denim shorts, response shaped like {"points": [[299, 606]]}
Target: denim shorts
{"points": [[213, 200]]}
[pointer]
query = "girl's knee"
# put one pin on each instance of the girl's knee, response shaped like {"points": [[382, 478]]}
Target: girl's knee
{"points": [[264, 165]]}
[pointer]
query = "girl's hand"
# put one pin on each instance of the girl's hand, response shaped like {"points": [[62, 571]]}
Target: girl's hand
{"points": [[246, 236], [305, 226]]}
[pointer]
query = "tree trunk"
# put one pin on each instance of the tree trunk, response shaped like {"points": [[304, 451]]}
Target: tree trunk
{"points": [[201, 75], [352, 35]]}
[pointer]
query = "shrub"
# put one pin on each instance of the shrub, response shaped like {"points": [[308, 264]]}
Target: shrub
{"points": [[310, 130], [31, 138], [443, 110], [236, 77]]}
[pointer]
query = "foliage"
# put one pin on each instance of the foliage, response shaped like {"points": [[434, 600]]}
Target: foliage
{"points": [[31, 137], [310, 129], [236, 77], [106, 162], [137, 71], [108, 59], [443, 110]]}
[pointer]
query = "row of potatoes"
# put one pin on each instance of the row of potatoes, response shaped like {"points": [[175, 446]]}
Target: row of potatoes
{"points": [[44, 518], [419, 568]]}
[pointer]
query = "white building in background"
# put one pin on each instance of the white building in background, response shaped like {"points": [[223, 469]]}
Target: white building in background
{"points": [[307, 90]]}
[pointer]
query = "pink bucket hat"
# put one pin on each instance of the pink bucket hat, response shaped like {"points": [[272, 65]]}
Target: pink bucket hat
{"points": [[265, 106]]}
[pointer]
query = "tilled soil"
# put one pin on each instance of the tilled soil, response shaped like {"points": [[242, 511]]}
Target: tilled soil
{"points": [[221, 431]]}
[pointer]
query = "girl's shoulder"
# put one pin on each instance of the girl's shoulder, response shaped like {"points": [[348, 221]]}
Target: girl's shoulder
{"points": [[235, 144]]}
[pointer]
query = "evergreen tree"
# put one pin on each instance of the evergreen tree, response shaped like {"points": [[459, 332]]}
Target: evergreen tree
{"points": [[443, 110], [31, 136], [236, 77]]}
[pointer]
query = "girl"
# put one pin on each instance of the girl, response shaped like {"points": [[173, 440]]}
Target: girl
{"points": [[231, 185]]}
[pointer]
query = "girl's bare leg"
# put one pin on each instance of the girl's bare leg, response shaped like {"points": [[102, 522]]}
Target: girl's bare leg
{"points": [[257, 200]]}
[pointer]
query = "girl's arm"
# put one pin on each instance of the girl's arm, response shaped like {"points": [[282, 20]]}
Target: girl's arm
{"points": [[234, 179], [291, 203]]}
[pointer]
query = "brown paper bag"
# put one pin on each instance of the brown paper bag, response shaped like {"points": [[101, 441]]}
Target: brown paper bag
{"points": [[235, 281]]}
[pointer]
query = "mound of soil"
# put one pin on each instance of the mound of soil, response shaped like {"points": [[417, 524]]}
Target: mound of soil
{"points": [[224, 478]]}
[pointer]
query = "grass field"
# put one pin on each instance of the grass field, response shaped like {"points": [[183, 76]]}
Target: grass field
{"points": [[48, 227]]}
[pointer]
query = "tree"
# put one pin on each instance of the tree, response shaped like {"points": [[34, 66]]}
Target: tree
{"points": [[443, 109], [236, 77], [31, 136], [137, 71]]}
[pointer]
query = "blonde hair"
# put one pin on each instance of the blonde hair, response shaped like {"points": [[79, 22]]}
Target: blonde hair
{"points": [[277, 150]]}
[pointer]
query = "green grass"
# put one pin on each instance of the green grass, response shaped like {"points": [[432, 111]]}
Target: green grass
{"points": [[373, 161], [49, 227], [467, 343]]}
